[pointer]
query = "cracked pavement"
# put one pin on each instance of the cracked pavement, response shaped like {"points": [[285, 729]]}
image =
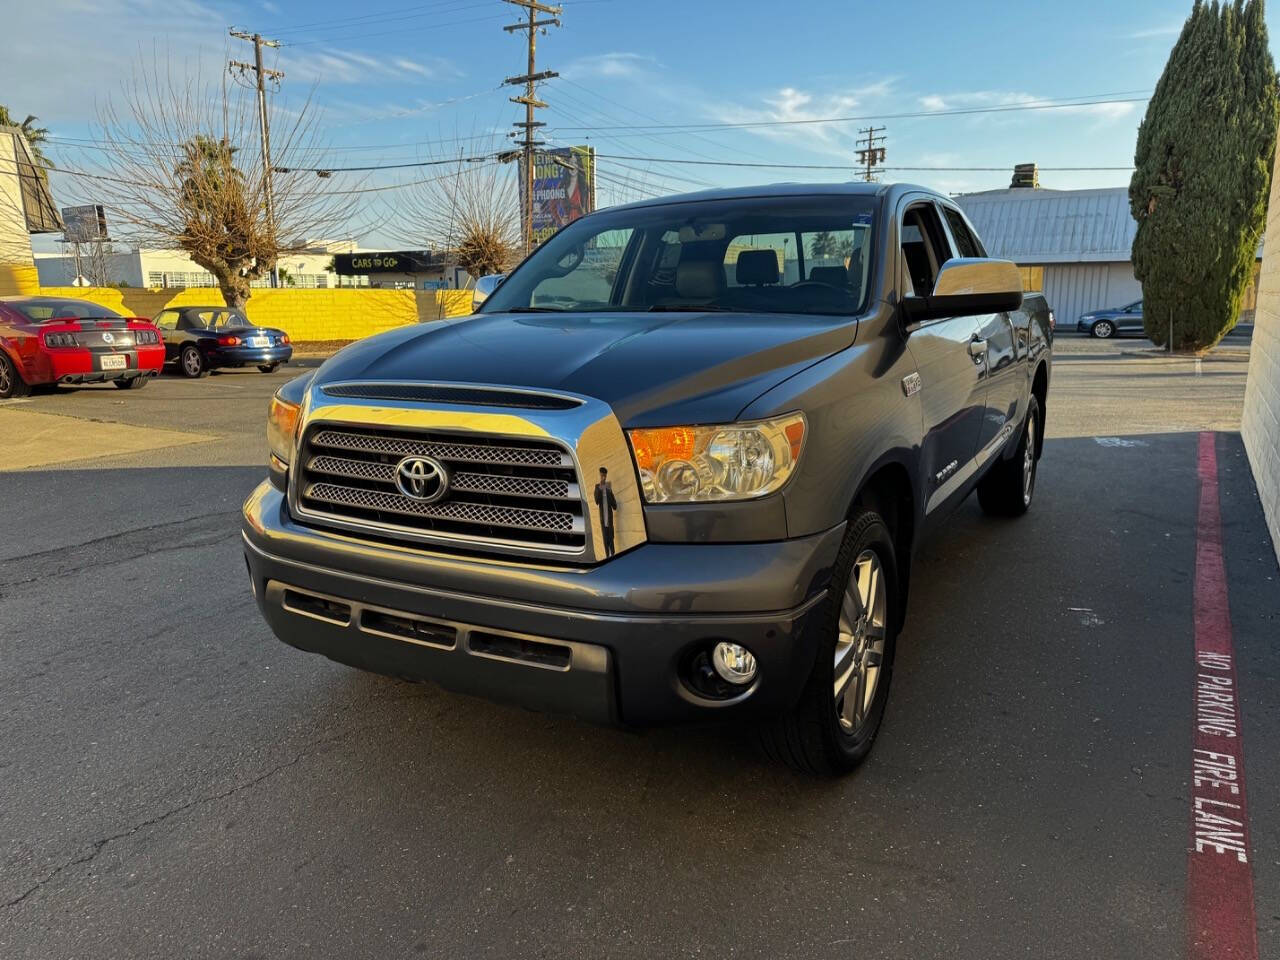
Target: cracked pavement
{"points": [[177, 783]]}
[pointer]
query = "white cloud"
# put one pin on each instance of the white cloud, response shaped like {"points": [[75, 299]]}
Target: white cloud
{"points": [[799, 115], [408, 66], [612, 65], [979, 99], [1168, 30], [336, 67], [94, 39]]}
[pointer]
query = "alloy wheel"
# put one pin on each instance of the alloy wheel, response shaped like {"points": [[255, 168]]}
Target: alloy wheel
{"points": [[6, 378], [860, 642], [191, 362], [1029, 461]]}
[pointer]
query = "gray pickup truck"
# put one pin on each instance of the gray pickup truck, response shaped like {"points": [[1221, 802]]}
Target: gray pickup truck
{"points": [[675, 468]]}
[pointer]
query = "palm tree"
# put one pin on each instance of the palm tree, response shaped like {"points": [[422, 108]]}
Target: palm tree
{"points": [[35, 135]]}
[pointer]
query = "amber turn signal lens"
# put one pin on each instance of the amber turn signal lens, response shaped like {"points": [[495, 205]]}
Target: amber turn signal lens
{"points": [[653, 447], [282, 426]]}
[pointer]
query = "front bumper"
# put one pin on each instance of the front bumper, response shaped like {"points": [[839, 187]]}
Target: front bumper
{"points": [[248, 356], [606, 643]]}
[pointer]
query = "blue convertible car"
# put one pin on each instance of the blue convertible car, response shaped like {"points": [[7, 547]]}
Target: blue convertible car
{"points": [[198, 339]]}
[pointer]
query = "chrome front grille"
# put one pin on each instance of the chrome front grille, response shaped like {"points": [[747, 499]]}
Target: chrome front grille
{"points": [[500, 491], [547, 456]]}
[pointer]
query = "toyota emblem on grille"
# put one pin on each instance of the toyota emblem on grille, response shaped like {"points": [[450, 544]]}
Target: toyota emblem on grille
{"points": [[422, 478], [108, 338]]}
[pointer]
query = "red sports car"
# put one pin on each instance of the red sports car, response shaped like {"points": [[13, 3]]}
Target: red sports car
{"points": [[58, 340]]}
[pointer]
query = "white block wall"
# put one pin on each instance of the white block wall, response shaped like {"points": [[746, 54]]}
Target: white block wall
{"points": [[1260, 425]]}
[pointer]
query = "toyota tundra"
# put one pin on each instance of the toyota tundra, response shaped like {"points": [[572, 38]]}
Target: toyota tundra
{"points": [[676, 467]]}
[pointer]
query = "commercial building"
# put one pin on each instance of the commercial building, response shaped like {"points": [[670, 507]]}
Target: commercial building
{"points": [[1072, 245], [309, 268]]}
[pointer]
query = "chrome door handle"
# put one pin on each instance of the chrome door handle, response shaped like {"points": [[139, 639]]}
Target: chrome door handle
{"points": [[977, 348]]}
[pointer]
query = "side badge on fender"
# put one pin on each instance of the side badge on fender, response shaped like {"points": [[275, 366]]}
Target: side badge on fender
{"points": [[911, 384]]}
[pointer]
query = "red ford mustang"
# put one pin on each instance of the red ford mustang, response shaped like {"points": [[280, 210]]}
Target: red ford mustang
{"points": [[58, 340]]}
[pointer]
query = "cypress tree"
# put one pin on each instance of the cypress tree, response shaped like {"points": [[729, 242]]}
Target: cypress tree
{"points": [[1203, 172]]}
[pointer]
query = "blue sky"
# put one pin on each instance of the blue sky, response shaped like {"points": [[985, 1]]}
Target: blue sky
{"points": [[394, 78]]}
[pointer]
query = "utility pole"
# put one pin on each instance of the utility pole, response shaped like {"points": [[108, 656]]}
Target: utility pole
{"points": [[261, 74], [530, 101], [870, 155]]}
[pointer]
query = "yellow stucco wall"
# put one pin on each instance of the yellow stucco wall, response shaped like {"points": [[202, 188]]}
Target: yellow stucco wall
{"points": [[303, 314], [18, 279]]}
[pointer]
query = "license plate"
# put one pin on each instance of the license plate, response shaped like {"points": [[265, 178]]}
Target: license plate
{"points": [[259, 342], [114, 362]]}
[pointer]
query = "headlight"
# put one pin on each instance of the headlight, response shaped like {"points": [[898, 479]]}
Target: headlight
{"points": [[282, 426], [737, 461]]}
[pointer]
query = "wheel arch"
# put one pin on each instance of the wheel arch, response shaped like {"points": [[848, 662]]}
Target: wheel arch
{"points": [[889, 489], [1040, 390]]}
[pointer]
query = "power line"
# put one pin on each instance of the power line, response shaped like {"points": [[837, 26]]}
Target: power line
{"points": [[707, 140], [689, 129], [387, 33], [400, 13], [393, 14], [85, 175], [918, 114], [831, 166]]}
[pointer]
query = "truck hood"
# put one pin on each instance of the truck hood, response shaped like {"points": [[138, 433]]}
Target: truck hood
{"points": [[653, 369]]}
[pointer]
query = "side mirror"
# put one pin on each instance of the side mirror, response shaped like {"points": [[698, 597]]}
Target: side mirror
{"points": [[966, 287]]}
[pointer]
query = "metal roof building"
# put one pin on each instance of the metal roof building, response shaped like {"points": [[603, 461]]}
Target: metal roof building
{"points": [[1074, 245]]}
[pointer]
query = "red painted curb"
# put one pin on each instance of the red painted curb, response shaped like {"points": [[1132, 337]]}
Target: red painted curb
{"points": [[1221, 922]]}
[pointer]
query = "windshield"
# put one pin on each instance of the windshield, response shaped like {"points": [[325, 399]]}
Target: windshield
{"points": [[40, 310], [760, 255], [217, 319]]}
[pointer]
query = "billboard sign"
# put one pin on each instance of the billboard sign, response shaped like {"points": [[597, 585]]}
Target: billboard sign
{"points": [[564, 188], [84, 224]]}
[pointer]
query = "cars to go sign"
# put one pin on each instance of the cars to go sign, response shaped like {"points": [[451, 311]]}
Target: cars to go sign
{"points": [[411, 261]]}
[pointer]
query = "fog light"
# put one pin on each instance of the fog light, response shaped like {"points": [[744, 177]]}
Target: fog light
{"points": [[734, 663]]}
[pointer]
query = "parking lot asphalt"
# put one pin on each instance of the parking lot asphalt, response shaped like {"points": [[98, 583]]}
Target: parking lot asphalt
{"points": [[179, 783]]}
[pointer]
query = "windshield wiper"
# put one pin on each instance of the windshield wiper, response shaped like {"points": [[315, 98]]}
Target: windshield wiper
{"points": [[689, 308], [534, 310]]}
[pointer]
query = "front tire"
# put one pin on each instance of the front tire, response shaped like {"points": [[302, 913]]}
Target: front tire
{"points": [[131, 383], [832, 728], [191, 362], [11, 382], [1010, 485], [268, 367], [1103, 330]]}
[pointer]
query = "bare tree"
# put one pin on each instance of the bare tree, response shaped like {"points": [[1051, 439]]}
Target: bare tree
{"points": [[469, 209], [183, 169]]}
